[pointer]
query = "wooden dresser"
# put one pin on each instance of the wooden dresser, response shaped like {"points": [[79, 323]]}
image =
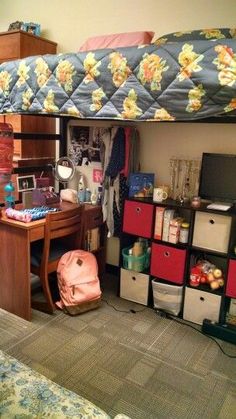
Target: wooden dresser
{"points": [[19, 44]]}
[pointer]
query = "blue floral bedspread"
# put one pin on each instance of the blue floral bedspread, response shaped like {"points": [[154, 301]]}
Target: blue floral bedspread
{"points": [[180, 78], [24, 393]]}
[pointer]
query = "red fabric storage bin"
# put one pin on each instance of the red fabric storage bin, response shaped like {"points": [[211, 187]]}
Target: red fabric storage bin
{"points": [[231, 279], [168, 263], [138, 218]]}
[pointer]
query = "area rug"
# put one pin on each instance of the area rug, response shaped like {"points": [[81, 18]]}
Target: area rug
{"points": [[125, 358]]}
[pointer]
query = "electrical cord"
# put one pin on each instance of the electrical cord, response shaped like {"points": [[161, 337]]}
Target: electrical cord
{"points": [[124, 311], [169, 317]]}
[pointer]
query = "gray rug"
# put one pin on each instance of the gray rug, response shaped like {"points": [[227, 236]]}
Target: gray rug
{"points": [[135, 363]]}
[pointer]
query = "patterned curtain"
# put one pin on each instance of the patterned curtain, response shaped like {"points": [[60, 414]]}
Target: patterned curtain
{"points": [[184, 175]]}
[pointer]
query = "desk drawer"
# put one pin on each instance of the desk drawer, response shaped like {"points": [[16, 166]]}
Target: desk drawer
{"points": [[93, 218], [138, 218], [211, 231]]}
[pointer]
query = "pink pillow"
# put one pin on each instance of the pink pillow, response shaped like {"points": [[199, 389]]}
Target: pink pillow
{"points": [[127, 39]]}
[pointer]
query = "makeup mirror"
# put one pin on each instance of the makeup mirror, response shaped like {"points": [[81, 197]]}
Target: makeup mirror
{"points": [[64, 170]]}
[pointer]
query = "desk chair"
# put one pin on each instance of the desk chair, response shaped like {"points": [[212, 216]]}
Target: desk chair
{"points": [[63, 232]]}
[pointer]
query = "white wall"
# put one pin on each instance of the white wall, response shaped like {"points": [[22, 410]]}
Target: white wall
{"points": [[71, 22]]}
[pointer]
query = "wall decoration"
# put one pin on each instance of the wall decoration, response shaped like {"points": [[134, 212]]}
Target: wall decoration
{"points": [[184, 177], [84, 145], [97, 175]]}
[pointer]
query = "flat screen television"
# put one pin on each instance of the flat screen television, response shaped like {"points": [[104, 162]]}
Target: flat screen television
{"points": [[218, 177]]}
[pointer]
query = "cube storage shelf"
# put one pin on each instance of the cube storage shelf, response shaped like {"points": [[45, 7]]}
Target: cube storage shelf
{"points": [[165, 283]]}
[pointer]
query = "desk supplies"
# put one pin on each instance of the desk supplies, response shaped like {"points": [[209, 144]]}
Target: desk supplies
{"points": [[29, 214]]}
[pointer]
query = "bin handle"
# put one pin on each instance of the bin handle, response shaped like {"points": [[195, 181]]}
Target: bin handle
{"points": [[167, 254]]}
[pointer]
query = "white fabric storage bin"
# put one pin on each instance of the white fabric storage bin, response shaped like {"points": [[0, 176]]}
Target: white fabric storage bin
{"points": [[134, 286], [211, 231], [200, 305], [167, 297]]}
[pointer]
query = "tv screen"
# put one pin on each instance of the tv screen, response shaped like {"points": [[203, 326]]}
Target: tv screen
{"points": [[218, 177]]}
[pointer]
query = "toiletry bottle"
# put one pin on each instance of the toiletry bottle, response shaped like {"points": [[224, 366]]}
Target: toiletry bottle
{"points": [[94, 197], [81, 192]]}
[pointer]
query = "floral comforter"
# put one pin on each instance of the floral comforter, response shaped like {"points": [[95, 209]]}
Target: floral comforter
{"points": [[172, 79], [26, 393]]}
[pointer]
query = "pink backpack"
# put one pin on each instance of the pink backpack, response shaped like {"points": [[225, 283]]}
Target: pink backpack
{"points": [[78, 282]]}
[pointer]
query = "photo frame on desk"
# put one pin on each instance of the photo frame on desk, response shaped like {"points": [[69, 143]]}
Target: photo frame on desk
{"points": [[26, 183]]}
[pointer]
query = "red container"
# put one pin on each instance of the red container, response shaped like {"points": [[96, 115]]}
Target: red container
{"points": [[6, 148], [168, 263], [138, 218], [231, 279]]}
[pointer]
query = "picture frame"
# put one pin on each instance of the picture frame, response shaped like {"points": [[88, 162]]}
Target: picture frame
{"points": [[84, 145], [26, 183], [33, 28]]}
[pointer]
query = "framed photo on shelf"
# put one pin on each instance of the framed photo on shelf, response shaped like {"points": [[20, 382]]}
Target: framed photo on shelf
{"points": [[31, 27], [25, 183]]}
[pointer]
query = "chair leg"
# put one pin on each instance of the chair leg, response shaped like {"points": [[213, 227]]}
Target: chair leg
{"points": [[48, 305]]}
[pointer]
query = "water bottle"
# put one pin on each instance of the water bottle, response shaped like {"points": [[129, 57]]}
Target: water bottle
{"points": [[9, 197]]}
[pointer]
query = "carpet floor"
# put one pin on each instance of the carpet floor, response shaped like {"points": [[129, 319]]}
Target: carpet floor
{"points": [[135, 363]]}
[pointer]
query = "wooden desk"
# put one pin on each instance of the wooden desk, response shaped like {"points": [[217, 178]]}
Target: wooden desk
{"points": [[15, 283]]}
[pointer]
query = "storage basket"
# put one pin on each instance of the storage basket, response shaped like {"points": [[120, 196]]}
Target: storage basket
{"points": [[167, 297], [135, 263]]}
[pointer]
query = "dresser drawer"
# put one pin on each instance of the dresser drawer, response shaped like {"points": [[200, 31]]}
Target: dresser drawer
{"points": [[92, 217], [231, 279], [134, 286], [138, 218], [200, 305], [9, 46], [212, 231], [168, 263]]}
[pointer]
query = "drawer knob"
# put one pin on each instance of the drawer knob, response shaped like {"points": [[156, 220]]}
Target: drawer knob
{"points": [[167, 254], [133, 278], [138, 210], [202, 298], [211, 221]]}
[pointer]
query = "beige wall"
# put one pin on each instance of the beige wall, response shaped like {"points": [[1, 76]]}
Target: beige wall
{"points": [[70, 22]]}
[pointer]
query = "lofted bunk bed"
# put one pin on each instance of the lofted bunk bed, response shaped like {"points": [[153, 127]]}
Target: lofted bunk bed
{"points": [[180, 77]]}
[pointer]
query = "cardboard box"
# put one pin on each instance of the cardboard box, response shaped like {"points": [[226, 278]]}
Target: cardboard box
{"points": [[174, 229], [159, 222], [168, 216]]}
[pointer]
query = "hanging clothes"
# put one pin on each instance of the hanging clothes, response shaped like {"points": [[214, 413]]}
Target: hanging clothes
{"points": [[120, 155], [117, 159]]}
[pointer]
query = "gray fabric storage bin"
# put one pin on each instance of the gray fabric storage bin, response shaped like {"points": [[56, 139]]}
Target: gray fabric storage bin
{"points": [[167, 297]]}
